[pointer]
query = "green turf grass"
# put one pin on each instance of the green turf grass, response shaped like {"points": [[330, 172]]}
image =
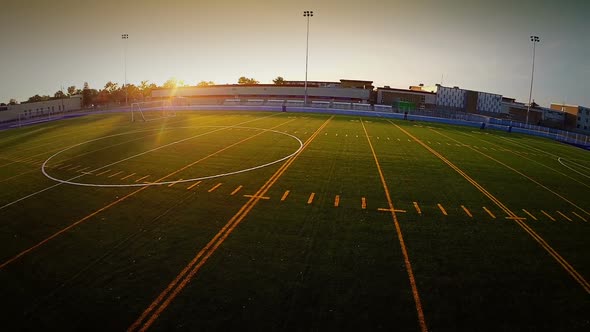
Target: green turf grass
{"points": [[291, 265]]}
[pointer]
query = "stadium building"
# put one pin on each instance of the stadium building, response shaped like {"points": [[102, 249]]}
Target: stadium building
{"points": [[41, 108], [467, 100], [577, 117], [349, 91]]}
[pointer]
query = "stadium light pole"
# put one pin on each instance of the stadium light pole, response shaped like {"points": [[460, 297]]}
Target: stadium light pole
{"points": [[125, 36], [534, 40], [306, 14]]}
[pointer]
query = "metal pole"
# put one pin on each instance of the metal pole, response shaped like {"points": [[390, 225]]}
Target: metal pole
{"points": [[534, 40], [125, 37], [307, 14]]}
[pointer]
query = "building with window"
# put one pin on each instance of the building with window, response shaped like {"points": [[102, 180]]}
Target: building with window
{"points": [[42, 108], [390, 96], [469, 101], [577, 117]]}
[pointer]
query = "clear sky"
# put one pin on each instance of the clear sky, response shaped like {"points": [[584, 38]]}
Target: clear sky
{"points": [[478, 45]]}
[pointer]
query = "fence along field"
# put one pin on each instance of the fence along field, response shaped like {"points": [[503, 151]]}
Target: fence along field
{"points": [[364, 222]]}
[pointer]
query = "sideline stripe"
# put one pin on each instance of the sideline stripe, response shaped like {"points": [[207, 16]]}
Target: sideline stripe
{"points": [[128, 176], [564, 263], [193, 185], [214, 187], [115, 174], [285, 195], [442, 209], [579, 216], [563, 215], [489, 212], [467, 211], [530, 215], [548, 216], [416, 295], [173, 183], [417, 207], [113, 203], [236, 190], [363, 203], [337, 201], [145, 177], [104, 172], [184, 277], [310, 199]]}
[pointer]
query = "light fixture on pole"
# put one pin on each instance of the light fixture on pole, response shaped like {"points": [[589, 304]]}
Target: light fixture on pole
{"points": [[534, 40], [125, 37], [306, 14]]}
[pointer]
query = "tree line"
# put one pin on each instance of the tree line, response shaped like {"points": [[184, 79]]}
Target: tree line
{"points": [[114, 93]]}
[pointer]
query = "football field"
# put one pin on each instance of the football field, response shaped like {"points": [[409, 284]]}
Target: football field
{"points": [[227, 220]]}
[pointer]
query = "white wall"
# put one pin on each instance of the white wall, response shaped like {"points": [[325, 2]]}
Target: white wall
{"points": [[42, 108]]}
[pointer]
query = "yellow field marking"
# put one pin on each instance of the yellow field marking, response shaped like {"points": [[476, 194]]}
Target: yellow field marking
{"points": [[285, 195], [337, 201], [115, 174], [579, 216], [193, 185], [83, 169], [548, 216], [145, 177], [173, 183], [104, 172], [489, 212], [417, 207], [530, 215], [66, 166], [236, 190], [73, 168], [389, 210], [259, 197], [363, 203], [515, 218], [563, 215], [214, 187], [467, 211], [407, 263], [149, 315], [127, 176], [310, 199], [558, 258], [442, 209]]}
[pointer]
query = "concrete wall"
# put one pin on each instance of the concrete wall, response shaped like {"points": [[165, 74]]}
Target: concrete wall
{"points": [[265, 92]]}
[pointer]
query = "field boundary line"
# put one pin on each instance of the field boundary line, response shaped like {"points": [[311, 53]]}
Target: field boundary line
{"points": [[535, 161], [582, 174], [564, 263], [400, 237], [150, 314], [519, 173], [113, 203]]}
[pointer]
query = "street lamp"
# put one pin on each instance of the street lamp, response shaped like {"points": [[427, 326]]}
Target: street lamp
{"points": [[125, 37], [306, 14], [534, 40]]}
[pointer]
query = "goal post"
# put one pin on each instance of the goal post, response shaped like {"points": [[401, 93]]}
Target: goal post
{"points": [[152, 110]]}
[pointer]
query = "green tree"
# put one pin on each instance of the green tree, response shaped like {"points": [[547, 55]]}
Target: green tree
{"points": [[146, 89], [71, 90], [205, 83], [245, 80], [173, 83], [59, 95], [279, 80]]}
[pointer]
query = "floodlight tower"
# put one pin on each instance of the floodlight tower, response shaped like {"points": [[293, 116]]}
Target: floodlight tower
{"points": [[534, 40], [125, 37], [306, 14]]}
